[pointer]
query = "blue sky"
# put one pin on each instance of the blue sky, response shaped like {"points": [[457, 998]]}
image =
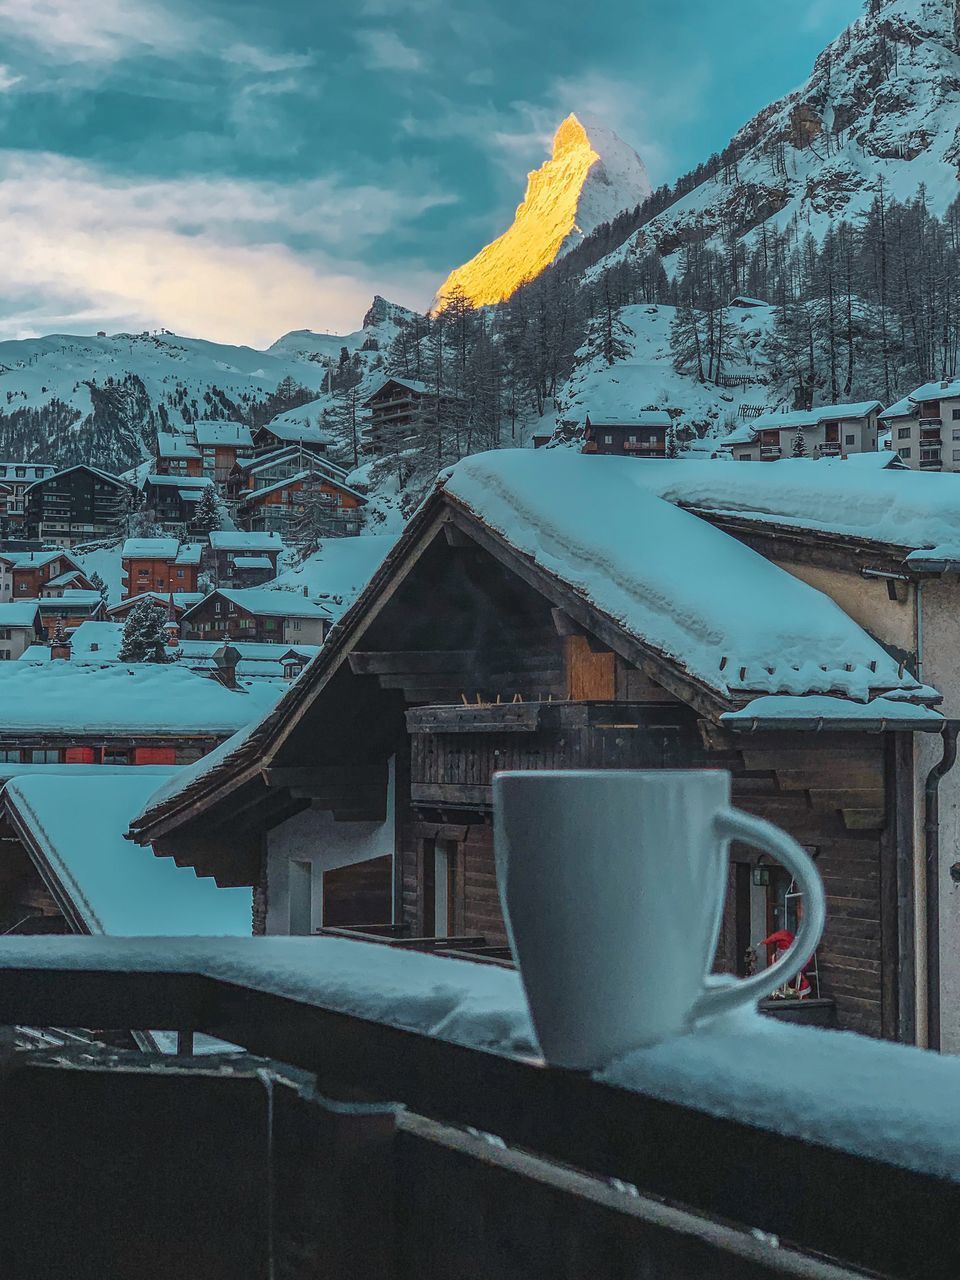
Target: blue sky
{"points": [[238, 168]]}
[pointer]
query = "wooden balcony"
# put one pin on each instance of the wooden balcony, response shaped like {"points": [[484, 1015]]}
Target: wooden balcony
{"points": [[770, 451], [140, 1167]]}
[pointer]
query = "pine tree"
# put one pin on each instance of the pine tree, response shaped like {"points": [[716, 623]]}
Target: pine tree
{"points": [[799, 444], [208, 516], [143, 634], [673, 444], [98, 584]]}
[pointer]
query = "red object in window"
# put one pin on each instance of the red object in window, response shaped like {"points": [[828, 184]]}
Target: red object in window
{"points": [[154, 755], [79, 755]]}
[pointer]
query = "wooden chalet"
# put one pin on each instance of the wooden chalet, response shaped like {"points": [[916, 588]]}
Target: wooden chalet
{"points": [[177, 455], [221, 446], [20, 627], [279, 507], [259, 614], [285, 430], [471, 652], [27, 574], [244, 559], [159, 564], [266, 469], [639, 435], [78, 504], [173, 499], [399, 408]]}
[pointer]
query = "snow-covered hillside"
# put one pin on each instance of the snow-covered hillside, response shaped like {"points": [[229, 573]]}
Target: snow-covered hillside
{"points": [[66, 399], [591, 176], [646, 379]]}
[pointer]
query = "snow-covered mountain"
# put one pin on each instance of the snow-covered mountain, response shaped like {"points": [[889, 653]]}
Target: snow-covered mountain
{"points": [[66, 399], [881, 107], [591, 176]]}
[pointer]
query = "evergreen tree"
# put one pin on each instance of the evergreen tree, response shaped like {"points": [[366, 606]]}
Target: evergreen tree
{"points": [[209, 514], [143, 634], [673, 444], [98, 584], [799, 444]]}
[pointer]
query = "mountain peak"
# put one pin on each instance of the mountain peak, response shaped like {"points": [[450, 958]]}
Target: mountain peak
{"points": [[591, 176]]}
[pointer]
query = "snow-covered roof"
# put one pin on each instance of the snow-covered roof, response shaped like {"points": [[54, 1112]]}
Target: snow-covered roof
{"points": [[182, 599], [70, 599], [227, 434], [730, 618], [412, 384], [914, 510], [177, 482], [814, 417], [645, 418], [904, 408], [742, 300], [744, 434], [824, 712], [175, 446], [947, 389], [33, 559], [252, 562], [339, 569], [77, 823], [237, 540], [150, 548], [269, 602], [130, 699], [189, 495], [300, 432], [257, 495], [80, 466], [266, 460], [19, 613], [189, 553], [63, 579]]}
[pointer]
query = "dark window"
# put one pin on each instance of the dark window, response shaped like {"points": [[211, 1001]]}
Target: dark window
{"points": [[850, 439]]}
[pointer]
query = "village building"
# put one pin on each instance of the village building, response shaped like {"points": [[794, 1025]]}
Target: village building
{"points": [[25, 574], [15, 479], [282, 506], [222, 445], [181, 601], [884, 543], [244, 559], [68, 609], [257, 613], [401, 408], [283, 431], [62, 712], [79, 504], [925, 427], [519, 623], [266, 469], [831, 431], [20, 627], [640, 435], [173, 499], [159, 564], [177, 455]]}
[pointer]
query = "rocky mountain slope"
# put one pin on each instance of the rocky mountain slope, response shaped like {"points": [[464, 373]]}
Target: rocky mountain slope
{"points": [[591, 176], [880, 112]]}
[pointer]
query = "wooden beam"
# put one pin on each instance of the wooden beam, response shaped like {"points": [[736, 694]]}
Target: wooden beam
{"points": [[323, 780], [413, 662]]}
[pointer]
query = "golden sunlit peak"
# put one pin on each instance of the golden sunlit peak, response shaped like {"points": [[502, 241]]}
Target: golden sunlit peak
{"points": [[590, 177]]}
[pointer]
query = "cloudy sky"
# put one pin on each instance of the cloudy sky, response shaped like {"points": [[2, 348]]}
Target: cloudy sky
{"points": [[237, 168]]}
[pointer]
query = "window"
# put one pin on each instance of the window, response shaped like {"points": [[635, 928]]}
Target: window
{"points": [[4, 633], [296, 624], [5, 655], [10, 756], [21, 473], [956, 415], [903, 433], [179, 573], [850, 439], [44, 757], [218, 607], [744, 457], [632, 439], [300, 896], [956, 455], [115, 757], [956, 433], [269, 624], [608, 439], [904, 453]]}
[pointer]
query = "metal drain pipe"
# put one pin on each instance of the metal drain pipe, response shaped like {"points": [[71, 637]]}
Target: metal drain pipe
{"points": [[932, 834]]}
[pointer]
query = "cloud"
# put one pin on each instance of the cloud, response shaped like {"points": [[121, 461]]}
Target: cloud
{"points": [[203, 256], [385, 51], [7, 78], [262, 60], [94, 30]]}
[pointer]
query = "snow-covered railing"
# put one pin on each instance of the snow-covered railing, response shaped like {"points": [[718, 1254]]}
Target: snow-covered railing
{"points": [[845, 1146]]}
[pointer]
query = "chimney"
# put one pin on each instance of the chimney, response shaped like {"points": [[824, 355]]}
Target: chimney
{"points": [[60, 647], [225, 660], [171, 628]]}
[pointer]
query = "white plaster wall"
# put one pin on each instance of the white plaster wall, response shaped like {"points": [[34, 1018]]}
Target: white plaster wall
{"points": [[313, 836], [866, 600]]}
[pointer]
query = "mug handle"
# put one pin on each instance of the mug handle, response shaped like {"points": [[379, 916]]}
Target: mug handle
{"points": [[732, 824]]}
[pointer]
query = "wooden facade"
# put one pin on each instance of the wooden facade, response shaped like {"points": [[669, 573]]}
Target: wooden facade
{"points": [[462, 658], [642, 436]]}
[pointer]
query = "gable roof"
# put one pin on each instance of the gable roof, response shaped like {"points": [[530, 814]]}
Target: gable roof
{"points": [[238, 540], [73, 829], [226, 434], [814, 417], [19, 613], [409, 384], [266, 602], [257, 495], [625, 564], [296, 432], [80, 466], [644, 418], [175, 446]]}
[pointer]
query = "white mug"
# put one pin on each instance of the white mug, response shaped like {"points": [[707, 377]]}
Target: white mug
{"points": [[613, 884]]}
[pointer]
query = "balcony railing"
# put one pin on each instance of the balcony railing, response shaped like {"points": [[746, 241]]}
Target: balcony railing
{"points": [[931, 422], [830, 450], [115, 1167], [770, 451]]}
